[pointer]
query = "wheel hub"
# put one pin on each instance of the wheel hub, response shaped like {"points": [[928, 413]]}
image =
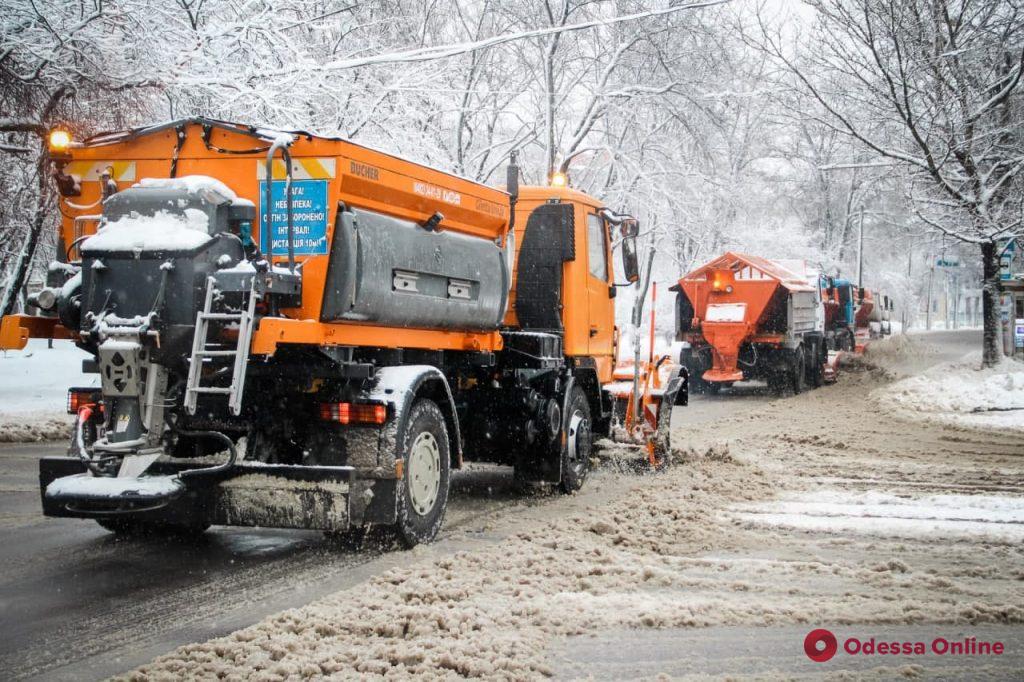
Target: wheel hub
{"points": [[424, 472], [578, 441]]}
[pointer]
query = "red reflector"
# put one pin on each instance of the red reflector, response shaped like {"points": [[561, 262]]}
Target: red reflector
{"points": [[79, 397], [354, 413]]}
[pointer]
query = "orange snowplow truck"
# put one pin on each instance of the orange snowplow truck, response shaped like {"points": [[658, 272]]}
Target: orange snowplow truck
{"points": [[742, 317], [297, 331]]}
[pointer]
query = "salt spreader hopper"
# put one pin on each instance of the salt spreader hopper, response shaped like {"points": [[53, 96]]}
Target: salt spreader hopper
{"points": [[743, 317]]}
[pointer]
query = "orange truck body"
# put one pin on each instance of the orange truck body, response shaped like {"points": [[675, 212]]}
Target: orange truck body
{"points": [[355, 176], [730, 296], [358, 176]]}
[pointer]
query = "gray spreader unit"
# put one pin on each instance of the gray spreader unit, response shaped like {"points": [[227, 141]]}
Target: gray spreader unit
{"points": [[387, 271]]}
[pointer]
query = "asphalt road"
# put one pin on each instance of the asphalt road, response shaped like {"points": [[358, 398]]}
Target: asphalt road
{"points": [[78, 603]]}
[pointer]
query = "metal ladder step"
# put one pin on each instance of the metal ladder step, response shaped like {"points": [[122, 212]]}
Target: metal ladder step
{"points": [[201, 349], [221, 316]]}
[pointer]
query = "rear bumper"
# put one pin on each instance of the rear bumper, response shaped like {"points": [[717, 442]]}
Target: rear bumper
{"points": [[272, 496]]}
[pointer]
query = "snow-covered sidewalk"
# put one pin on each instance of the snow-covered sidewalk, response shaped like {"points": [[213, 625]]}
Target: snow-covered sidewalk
{"points": [[34, 385], [960, 392]]}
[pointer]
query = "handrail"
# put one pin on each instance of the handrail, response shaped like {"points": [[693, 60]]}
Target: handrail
{"points": [[282, 144]]}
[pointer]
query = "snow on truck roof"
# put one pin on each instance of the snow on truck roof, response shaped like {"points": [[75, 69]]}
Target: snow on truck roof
{"points": [[164, 230], [754, 267]]}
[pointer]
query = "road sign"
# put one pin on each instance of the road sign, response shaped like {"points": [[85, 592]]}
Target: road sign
{"points": [[309, 217]]}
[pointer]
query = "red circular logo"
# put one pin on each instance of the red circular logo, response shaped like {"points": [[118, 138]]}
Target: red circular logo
{"points": [[820, 645]]}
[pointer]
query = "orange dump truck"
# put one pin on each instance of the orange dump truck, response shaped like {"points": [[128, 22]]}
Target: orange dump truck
{"points": [[742, 317], [343, 312]]}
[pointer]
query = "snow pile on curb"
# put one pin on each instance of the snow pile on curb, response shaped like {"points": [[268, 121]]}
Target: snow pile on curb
{"points": [[34, 385], [960, 392]]}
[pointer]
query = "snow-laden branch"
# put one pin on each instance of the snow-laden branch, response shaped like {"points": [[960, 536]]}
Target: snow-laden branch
{"points": [[436, 52], [859, 164]]}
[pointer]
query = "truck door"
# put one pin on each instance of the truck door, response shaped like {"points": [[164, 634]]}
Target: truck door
{"points": [[601, 304]]}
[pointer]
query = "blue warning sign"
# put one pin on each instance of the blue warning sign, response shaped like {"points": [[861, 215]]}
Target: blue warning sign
{"points": [[309, 217]]}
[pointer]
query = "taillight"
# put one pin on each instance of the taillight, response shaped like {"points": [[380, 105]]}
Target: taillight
{"points": [[79, 397], [354, 413]]}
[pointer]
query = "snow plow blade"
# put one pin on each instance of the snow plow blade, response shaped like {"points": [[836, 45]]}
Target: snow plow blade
{"points": [[831, 370], [270, 496]]}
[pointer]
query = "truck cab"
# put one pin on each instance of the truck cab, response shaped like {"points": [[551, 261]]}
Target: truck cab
{"points": [[563, 242]]}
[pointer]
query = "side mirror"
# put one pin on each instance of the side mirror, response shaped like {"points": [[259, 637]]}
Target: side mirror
{"points": [[630, 227], [630, 266]]}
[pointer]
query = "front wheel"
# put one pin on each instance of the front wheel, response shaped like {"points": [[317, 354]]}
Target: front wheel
{"points": [[423, 497], [578, 442]]}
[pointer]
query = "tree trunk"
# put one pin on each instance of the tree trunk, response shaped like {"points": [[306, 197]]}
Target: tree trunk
{"points": [[28, 251], [991, 287]]}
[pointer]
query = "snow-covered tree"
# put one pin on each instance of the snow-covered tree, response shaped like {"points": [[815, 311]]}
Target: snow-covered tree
{"points": [[934, 87]]}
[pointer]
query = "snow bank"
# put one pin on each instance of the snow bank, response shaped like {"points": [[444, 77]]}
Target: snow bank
{"points": [[960, 392], [33, 390], [164, 231]]}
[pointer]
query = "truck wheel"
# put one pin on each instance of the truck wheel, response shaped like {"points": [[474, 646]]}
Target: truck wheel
{"points": [[578, 442], [815, 368], [798, 371], [423, 445]]}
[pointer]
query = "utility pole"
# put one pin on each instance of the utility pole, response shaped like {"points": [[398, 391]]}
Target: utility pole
{"points": [[928, 304], [860, 250]]}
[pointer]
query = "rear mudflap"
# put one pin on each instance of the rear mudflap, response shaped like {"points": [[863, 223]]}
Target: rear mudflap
{"points": [[272, 496]]}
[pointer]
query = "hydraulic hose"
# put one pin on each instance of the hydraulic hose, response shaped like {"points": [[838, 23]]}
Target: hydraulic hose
{"points": [[219, 468]]}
